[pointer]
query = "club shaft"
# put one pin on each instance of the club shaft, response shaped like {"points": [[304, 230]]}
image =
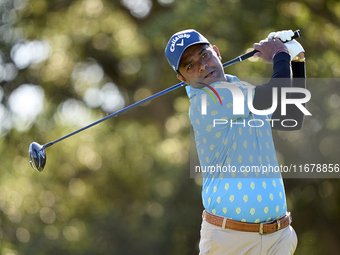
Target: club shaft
{"points": [[233, 61], [118, 112]]}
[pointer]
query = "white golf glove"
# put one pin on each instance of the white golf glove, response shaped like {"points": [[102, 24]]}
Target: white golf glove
{"points": [[293, 46]]}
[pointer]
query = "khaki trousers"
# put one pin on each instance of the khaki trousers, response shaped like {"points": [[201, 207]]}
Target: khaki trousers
{"points": [[216, 241]]}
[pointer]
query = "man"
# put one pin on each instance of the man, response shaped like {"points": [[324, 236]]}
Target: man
{"points": [[245, 212]]}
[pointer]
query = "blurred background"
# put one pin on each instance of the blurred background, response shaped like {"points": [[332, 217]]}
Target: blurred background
{"points": [[123, 187]]}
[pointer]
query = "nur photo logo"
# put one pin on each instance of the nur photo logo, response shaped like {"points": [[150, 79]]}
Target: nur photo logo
{"points": [[238, 103]]}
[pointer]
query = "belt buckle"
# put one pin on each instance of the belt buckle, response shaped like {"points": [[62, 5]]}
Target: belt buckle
{"points": [[262, 223], [261, 227]]}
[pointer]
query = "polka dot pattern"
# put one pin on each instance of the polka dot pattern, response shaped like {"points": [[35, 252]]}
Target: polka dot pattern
{"points": [[244, 196]]}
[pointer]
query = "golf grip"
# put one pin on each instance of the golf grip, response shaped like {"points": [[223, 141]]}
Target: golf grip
{"points": [[297, 34]]}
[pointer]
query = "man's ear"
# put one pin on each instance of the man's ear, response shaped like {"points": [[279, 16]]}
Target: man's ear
{"points": [[217, 51], [181, 78]]}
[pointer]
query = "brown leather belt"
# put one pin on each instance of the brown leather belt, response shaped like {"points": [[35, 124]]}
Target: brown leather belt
{"points": [[261, 228]]}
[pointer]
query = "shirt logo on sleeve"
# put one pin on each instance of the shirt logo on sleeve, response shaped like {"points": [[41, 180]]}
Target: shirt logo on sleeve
{"points": [[204, 98]]}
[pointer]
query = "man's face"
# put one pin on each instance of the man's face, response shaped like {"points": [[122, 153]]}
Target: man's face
{"points": [[201, 63]]}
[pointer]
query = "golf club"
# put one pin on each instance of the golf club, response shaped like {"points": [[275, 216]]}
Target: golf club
{"points": [[37, 152]]}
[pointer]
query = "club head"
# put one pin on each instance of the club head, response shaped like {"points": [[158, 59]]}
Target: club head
{"points": [[37, 156]]}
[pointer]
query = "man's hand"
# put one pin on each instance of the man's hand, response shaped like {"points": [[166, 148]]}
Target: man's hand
{"points": [[267, 49], [293, 46]]}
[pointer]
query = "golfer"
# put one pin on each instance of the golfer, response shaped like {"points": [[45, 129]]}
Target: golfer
{"points": [[245, 211]]}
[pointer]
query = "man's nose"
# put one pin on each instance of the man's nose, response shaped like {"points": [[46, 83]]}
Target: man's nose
{"points": [[202, 66]]}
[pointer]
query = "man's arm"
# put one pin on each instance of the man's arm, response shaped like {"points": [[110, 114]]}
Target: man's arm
{"points": [[281, 78], [282, 70], [293, 112], [263, 93]]}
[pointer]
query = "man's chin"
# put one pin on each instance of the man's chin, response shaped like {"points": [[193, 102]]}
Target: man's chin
{"points": [[202, 82]]}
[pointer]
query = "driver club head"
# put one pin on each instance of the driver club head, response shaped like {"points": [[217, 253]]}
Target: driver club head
{"points": [[37, 156]]}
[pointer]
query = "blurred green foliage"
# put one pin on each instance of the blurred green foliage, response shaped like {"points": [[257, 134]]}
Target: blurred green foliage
{"points": [[123, 187]]}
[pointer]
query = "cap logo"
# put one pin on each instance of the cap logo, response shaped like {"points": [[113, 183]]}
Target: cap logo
{"points": [[181, 44], [174, 40]]}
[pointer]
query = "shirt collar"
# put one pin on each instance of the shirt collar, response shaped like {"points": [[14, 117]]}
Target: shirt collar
{"points": [[191, 91]]}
